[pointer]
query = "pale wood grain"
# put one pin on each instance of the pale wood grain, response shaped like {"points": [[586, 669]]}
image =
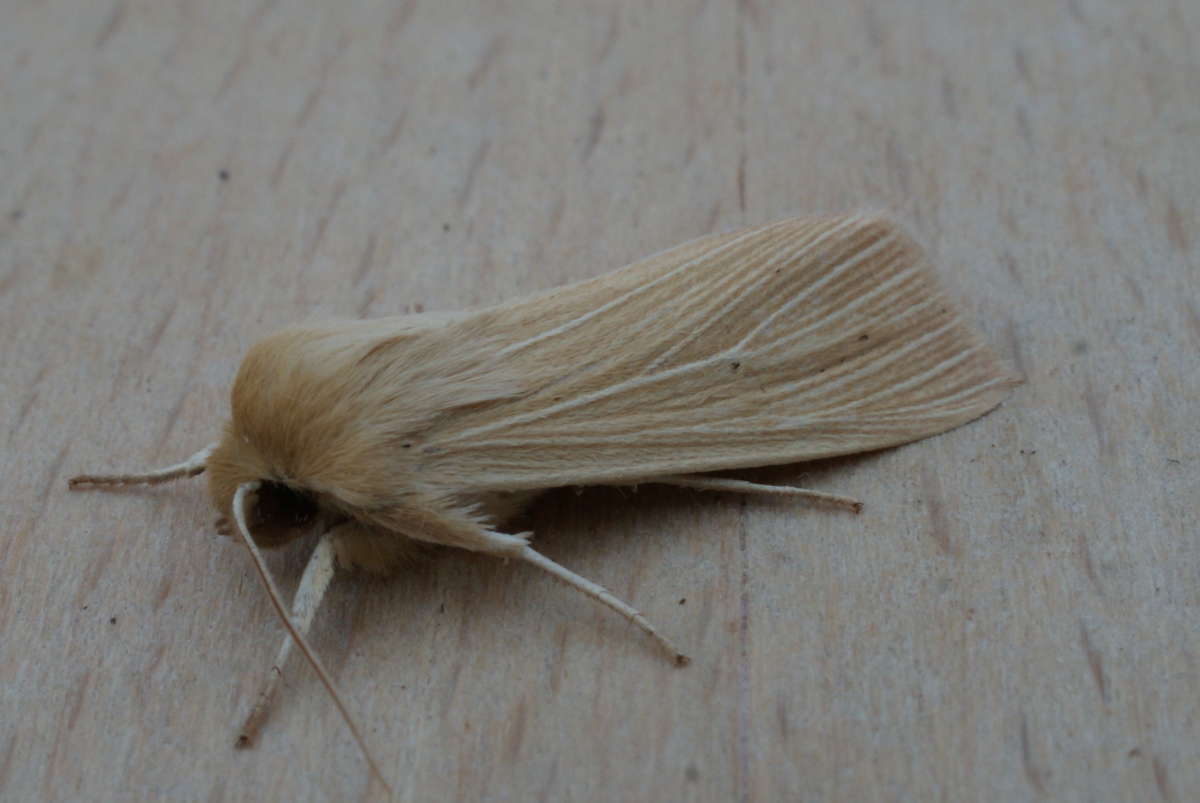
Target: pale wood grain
{"points": [[1013, 616]]}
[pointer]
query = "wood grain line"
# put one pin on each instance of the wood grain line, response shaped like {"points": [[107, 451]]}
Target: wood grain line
{"points": [[1177, 233], [1096, 417], [464, 194], [935, 506], [495, 47], [367, 260], [1033, 774], [745, 718], [1095, 662], [6, 763], [111, 24], [335, 198], [595, 128], [1161, 780]]}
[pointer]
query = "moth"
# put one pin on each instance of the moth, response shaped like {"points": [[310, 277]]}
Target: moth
{"points": [[797, 340]]}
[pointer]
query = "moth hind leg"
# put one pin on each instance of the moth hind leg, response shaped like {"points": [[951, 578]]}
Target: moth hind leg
{"points": [[449, 524], [601, 595], [188, 468], [730, 485]]}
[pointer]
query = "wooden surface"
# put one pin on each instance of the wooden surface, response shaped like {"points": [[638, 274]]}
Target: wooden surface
{"points": [[1013, 617]]}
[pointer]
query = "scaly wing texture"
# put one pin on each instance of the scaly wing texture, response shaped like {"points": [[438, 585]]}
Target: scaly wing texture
{"points": [[798, 340]]}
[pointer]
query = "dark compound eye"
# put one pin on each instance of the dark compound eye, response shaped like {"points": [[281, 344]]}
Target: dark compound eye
{"points": [[285, 505], [281, 513]]}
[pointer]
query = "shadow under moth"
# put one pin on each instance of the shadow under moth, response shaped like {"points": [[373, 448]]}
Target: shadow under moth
{"points": [[798, 340]]}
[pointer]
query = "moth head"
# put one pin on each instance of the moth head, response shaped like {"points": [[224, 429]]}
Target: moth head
{"points": [[276, 510]]}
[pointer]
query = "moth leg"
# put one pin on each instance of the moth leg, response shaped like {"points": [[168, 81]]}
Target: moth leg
{"points": [[728, 485], [600, 594], [188, 468], [435, 521], [314, 660], [313, 584]]}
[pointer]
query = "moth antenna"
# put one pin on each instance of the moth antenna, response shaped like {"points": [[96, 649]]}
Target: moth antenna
{"points": [[313, 584], [729, 485], [602, 595], [188, 468], [239, 515]]}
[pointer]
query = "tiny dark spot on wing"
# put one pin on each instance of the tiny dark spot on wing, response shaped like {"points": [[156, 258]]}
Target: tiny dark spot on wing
{"points": [[445, 227], [682, 600], [112, 620], [223, 175]]}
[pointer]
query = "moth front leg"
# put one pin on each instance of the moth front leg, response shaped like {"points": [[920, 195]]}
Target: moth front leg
{"points": [[313, 584], [351, 545]]}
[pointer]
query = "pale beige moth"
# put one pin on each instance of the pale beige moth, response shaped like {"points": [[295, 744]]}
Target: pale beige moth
{"points": [[793, 341]]}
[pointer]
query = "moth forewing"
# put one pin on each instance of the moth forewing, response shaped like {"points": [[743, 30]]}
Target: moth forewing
{"points": [[795, 341], [798, 340]]}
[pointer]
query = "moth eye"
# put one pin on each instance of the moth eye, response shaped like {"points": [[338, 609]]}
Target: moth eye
{"points": [[280, 513], [280, 503]]}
